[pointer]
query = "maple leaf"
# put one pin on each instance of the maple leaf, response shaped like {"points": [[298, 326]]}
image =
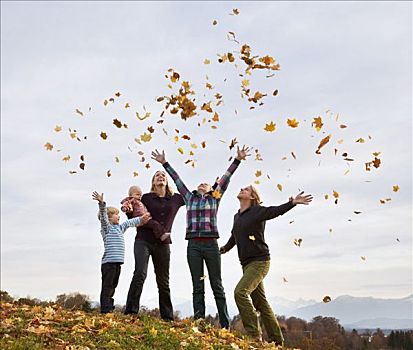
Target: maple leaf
{"points": [[48, 146], [233, 143], [292, 123], [326, 299], [257, 96], [135, 173], [153, 332], [251, 237], [151, 129], [103, 135], [258, 173], [117, 94], [270, 127], [207, 107], [280, 187], [215, 117], [317, 123], [396, 188], [146, 137], [297, 241], [58, 128], [79, 112], [216, 194], [117, 123], [323, 142]]}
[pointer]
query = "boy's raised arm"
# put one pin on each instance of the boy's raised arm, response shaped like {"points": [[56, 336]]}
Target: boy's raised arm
{"points": [[138, 221], [103, 215]]}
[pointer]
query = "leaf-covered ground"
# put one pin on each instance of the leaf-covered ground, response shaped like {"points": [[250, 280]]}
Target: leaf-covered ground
{"points": [[52, 327]]}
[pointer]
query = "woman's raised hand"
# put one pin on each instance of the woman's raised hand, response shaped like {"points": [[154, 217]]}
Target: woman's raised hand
{"points": [[300, 199], [159, 157], [97, 197], [243, 153]]}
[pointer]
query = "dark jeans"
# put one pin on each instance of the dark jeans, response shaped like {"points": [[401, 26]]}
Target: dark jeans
{"points": [[197, 253], [160, 257], [110, 278]]}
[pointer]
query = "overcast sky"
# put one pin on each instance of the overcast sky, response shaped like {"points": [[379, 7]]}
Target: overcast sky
{"points": [[346, 58]]}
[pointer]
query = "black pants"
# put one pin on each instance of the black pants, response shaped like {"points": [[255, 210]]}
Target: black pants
{"points": [[110, 278], [160, 257]]}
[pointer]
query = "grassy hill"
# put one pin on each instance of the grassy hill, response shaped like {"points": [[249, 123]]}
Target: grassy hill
{"points": [[52, 327]]}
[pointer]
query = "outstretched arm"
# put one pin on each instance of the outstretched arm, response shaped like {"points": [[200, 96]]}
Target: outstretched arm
{"points": [[268, 213], [222, 184], [183, 190], [138, 221], [103, 215]]}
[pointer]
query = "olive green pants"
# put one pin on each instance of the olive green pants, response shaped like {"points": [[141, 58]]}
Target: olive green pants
{"points": [[250, 297]]}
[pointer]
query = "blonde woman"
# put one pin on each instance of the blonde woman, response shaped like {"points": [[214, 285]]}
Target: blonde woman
{"points": [[248, 234], [163, 205]]}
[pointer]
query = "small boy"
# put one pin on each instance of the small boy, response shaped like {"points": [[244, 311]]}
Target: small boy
{"points": [[114, 255], [132, 206]]}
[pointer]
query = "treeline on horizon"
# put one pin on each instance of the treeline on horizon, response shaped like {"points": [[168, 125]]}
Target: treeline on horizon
{"points": [[321, 333]]}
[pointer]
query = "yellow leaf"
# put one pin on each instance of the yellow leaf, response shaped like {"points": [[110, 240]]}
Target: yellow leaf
{"points": [[194, 145], [251, 237], [117, 159], [363, 258], [326, 196], [396, 188], [153, 332], [180, 150], [280, 187], [292, 123], [147, 115], [360, 140], [215, 117], [146, 137], [258, 173], [270, 127], [127, 105], [48, 146], [207, 61], [73, 135], [66, 159], [135, 173], [257, 182], [245, 83], [216, 194], [58, 128], [317, 123]]}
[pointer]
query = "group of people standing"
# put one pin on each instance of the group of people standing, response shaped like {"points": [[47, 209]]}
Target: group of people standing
{"points": [[153, 213]]}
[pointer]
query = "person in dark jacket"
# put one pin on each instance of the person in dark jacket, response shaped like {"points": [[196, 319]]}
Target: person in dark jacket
{"points": [[163, 205], [248, 234], [202, 233]]}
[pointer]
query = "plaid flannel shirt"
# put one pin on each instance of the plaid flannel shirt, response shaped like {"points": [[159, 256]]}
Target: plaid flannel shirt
{"points": [[201, 211]]}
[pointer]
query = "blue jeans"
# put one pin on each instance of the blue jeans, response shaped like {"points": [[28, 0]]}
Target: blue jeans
{"points": [[197, 253]]}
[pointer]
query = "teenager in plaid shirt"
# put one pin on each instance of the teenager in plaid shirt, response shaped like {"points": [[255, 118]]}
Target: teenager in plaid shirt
{"points": [[202, 233]]}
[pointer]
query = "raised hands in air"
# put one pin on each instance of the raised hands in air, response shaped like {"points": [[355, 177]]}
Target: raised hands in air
{"points": [[97, 197], [159, 157], [300, 199], [243, 153]]}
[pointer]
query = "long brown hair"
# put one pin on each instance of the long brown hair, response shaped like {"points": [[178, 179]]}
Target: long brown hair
{"points": [[256, 199], [168, 191]]}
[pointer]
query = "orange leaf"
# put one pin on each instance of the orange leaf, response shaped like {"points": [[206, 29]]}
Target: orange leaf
{"points": [[270, 127], [292, 123], [323, 142]]}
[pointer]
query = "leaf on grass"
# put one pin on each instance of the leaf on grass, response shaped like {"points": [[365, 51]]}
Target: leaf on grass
{"points": [[270, 127], [293, 123], [153, 332]]}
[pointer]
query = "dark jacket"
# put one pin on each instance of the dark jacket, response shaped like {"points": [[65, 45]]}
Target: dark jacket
{"points": [[248, 232]]}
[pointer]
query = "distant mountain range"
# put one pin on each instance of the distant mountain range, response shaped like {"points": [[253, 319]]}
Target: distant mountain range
{"points": [[352, 312]]}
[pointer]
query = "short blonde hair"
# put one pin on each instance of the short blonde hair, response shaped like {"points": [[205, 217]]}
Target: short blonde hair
{"points": [[133, 189], [256, 199], [168, 191], [110, 211]]}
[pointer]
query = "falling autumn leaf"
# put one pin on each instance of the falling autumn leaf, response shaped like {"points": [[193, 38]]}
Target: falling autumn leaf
{"points": [[258, 173], [180, 150], [216, 194], [251, 237], [317, 123], [363, 258], [202, 278], [297, 241], [357, 212], [323, 142], [396, 188], [79, 112], [293, 123], [360, 140], [109, 173], [58, 128], [285, 280], [336, 195], [127, 105], [117, 123], [146, 115], [326, 299], [82, 166], [280, 187], [135, 173], [275, 93], [235, 12], [270, 127], [48, 146], [233, 143], [103, 135], [66, 159], [214, 23], [146, 137]]}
